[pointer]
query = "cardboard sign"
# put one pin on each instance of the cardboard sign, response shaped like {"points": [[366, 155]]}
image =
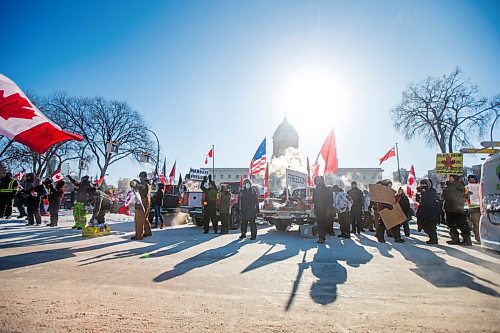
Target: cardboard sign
{"points": [[382, 193], [393, 217], [295, 179], [449, 164]]}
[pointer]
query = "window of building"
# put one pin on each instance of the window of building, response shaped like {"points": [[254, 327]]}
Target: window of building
{"points": [[229, 176], [221, 176]]}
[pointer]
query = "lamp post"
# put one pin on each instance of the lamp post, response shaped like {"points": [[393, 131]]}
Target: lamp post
{"points": [[158, 155]]}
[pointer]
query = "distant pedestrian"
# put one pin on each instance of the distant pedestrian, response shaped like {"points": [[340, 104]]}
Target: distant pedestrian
{"points": [[322, 199], [357, 208], [210, 204], [454, 200], [248, 207], [342, 203], [36, 192], [142, 206], [157, 203], [224, 208], [473, 203], [429, 210]]}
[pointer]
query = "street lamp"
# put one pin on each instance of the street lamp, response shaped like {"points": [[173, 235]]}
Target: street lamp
{"points": [[158, 155]]}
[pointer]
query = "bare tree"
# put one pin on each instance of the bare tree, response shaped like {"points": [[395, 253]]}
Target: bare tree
{"points": [[445, 111], [102, 122]]}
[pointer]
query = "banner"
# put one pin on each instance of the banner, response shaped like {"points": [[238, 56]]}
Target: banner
{"points": [[295, 179], [449, 164], [198, 174]]}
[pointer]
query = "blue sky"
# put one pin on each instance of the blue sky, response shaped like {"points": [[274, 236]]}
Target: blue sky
{"points": [[225, 72]]}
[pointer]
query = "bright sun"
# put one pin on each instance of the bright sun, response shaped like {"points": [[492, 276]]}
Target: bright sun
{"points": [[312, 96]]}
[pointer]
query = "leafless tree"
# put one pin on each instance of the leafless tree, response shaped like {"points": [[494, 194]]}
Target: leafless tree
{"points": [[445, 111], [101, 122]]}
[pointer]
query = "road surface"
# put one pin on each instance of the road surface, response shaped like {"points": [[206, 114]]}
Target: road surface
{"points": [[181, 280]]}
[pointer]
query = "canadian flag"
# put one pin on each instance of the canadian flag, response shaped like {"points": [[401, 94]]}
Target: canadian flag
{"points": [[21, 121], [390, 153], [57, 176], [171, 176], [329, 154], [99, 181], [20, 175], [412, 184], [209, 155]]}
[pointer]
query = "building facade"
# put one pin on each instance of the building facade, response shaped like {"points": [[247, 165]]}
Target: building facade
{"points": [[227, 175]]}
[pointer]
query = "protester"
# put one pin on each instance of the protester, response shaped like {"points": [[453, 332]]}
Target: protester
{"points": [[357, 208], [102, 204], [380, 231], [19, 201], [55, 195], [224, 208], [322, 199], [157, 203], [473, 203], [81, 199], [367, 214], [142, 206], [428, 210], [248, 207], [343, 204], [404, 202], [35, 190], [8, 189], [209, 205], [454, 200]]}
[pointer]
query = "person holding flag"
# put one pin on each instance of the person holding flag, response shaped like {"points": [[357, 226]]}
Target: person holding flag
{"points": [[142, 189], [81, 199]]}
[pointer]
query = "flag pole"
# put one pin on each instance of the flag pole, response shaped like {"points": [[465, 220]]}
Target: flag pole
{"points": [[213, 163], [399, 169]]}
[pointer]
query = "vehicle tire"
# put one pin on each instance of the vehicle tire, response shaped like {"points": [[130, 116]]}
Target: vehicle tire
{"points": [[282, 225], [234, 220], [199, 221]]}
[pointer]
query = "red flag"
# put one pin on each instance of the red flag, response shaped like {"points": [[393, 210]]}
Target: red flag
{"points": [[390, 153], [171, 177], [57, 176], [266, 182], [329, 154], [99, 181], [163, 180], [315, 172], [20, 175], [209, 155], [21, 121], [412, 184]]}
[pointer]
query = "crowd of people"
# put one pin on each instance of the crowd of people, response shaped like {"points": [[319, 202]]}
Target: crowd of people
{"points": [[353, 209]]}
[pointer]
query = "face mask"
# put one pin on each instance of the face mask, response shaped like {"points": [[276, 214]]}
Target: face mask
{"points": [[247, 186]]}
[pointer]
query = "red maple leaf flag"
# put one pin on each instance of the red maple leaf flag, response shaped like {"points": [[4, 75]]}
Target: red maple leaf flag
{"points": [[390, 153], [171, 176], [209, 155], [21, 121], [329, 154], [57, 176], [412, 183]]}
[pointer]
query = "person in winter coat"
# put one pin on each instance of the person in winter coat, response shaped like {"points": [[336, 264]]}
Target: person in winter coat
{"points": [[474, 208], [102, 204], [342, 203], [428, 210], [8, 189], [357, 208], [35, 190], [224, 208], [248, 207], [81, 198], [380, 224], [322, 199], [404, 202], [454, 200], [142, 187], [367, 212], [210, 204], [54, 194], [157, 203]]}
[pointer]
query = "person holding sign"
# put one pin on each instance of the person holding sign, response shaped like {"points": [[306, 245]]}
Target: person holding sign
{"points": [[384, 207], [473, 203]]}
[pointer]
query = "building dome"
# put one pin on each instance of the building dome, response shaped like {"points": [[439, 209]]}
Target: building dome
{"points": [[284, 137]]}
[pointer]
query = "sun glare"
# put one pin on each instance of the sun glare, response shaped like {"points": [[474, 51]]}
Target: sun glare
{"points": [[312, 96]]}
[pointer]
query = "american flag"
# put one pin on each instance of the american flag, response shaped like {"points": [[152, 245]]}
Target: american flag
{"points": [[258, 163]]}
